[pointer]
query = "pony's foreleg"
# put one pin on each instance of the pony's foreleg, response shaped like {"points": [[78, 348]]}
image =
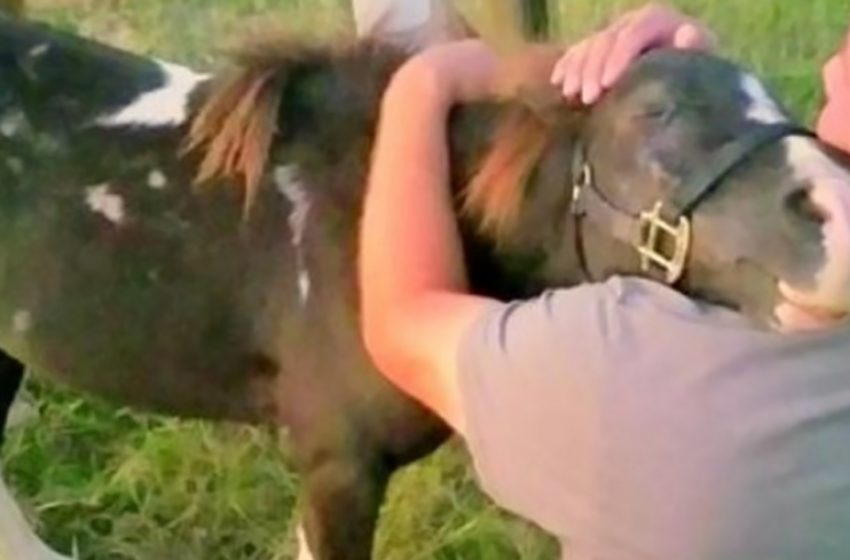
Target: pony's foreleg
{"points": [[17, 539], [342, 490], [341, 501]]}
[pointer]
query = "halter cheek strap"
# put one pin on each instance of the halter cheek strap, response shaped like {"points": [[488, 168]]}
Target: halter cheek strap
{"points": [[662, 234]]}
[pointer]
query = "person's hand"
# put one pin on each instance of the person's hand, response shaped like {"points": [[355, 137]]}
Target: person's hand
{"points": [[457, 72], [832, 122], [470, 71], [593, 65]]}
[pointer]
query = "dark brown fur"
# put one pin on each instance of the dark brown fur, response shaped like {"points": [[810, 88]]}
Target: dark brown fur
{"points": [[235, 127]]}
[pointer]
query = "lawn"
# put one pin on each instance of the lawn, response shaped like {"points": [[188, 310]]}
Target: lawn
{"points": [[112, 484]]}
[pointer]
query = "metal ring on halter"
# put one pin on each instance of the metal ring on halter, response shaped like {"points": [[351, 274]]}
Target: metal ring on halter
{"points": [[655, 236]]}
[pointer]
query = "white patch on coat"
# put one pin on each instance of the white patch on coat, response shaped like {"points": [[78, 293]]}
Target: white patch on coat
{"points": [[289, 185], [39, 50], [102, 201], [762, 107], [167, 105], [17, 539], [830, 191], [157, 179], [12, 122], [303, 547], [21, 321]]}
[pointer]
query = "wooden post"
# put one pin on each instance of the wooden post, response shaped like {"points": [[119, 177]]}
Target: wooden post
{"points": [[509, 23], [14, 7], [535, 19]]}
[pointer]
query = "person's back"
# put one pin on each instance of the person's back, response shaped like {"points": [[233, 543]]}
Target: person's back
{"points": [[649, 445]]}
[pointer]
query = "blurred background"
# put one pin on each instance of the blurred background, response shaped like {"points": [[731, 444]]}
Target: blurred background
{"points": [[115, 485]]}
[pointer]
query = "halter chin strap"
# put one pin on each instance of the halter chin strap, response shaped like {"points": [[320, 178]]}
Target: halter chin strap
{"points": [[662, 234]]}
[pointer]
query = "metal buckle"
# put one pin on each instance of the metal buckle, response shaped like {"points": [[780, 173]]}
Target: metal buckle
{"points": [[654, 231]]}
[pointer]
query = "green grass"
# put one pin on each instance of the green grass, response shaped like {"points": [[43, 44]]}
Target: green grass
{"points": [[112, 484]]}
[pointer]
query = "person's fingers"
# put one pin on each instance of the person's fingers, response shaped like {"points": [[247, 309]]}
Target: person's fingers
{"points": [[650, 27], [558, 72], [594, 65], [573, 67], [692, 36], [631, 42]]}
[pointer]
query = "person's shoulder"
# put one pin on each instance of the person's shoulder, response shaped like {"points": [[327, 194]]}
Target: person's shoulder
{"points": [[599, 311], [631, 290], [632, 300], [621, 292], [635, 296]]}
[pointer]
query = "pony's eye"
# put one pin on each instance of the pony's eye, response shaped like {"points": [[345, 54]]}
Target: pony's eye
{"points": [[658, 112]]}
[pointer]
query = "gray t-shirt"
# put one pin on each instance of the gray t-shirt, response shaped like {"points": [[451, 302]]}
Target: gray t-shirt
{"points": [[635, 424]]}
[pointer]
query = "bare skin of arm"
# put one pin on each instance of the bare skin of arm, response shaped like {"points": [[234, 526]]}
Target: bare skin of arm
{"points": [[415, 303]]}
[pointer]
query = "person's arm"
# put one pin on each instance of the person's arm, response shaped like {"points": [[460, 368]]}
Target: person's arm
{"points": [[593, 65], [520, 382], [415, 304]]}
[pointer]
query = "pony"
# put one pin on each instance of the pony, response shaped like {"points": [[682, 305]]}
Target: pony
{"points": [[186, 243]]}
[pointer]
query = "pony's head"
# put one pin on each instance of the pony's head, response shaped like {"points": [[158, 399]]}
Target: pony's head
{"points": [[689, 172]]}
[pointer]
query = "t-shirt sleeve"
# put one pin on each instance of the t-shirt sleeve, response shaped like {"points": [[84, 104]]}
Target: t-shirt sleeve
{"points": [[529, 377]]}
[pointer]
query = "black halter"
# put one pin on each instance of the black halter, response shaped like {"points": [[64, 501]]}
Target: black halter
{"points": [[667, 225]]}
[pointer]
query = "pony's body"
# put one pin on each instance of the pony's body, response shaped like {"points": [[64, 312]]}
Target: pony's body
{"points": [[120, 279]]}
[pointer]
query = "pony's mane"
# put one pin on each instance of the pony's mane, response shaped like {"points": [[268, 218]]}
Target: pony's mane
{"points": [[493, 196], [234, 128]]}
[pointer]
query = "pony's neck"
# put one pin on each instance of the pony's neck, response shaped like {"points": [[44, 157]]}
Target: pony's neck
{"points": [[538, 253]]}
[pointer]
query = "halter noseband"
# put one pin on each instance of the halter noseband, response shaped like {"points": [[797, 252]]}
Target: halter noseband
{"points": [[662, 234]]}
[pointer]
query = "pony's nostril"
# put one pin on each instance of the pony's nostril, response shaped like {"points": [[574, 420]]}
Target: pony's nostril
{"points": [[799, 202]]}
